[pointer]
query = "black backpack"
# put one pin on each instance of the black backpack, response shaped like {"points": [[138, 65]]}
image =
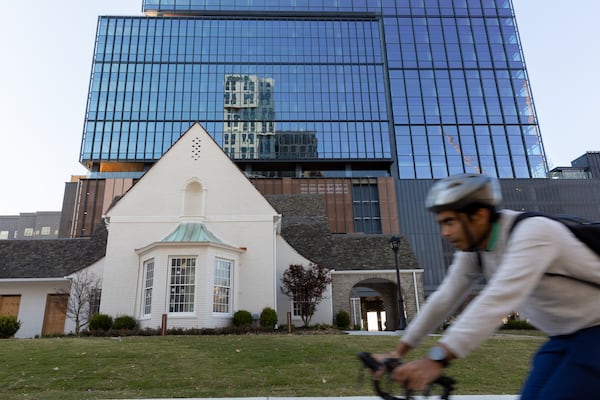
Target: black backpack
{"points": [[586, 231]]}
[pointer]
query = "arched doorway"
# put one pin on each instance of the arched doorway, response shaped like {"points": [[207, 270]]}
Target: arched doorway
{"points": [[361, 293], [372, 305]]}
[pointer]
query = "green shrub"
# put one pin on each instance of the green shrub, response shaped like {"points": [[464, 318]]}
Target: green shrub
{"points": [[124, 322], [342, 320], [242, 317], [517, 324], [268, 318], [319, 327], [9, 325], [100, 321]]}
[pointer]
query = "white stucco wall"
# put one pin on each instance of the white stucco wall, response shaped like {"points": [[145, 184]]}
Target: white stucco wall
{"points": [[286, 256], [257, 264], [33, 294], [95, 272]]}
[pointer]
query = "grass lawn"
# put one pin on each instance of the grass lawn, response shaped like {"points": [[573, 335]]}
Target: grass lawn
{"points": [[231, 366]]}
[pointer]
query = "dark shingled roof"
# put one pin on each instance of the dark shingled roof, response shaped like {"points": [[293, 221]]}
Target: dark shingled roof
{"points": [[52, 258], [305, 227]]}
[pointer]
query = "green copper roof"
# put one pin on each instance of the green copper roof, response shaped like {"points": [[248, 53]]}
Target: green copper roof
{"points": [[192, 232]]}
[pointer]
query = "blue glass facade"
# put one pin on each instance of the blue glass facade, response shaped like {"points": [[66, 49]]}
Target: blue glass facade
{"points": [[421, 89]]}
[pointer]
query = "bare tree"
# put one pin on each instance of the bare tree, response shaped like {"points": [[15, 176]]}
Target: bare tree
{"points": [[306, 288], [83, 294]]}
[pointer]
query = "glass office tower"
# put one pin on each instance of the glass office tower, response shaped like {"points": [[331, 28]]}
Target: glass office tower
{"points": [[418, 88], [362, 101]]}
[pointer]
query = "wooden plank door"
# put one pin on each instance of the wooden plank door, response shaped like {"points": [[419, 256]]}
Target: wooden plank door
{"points": [[55, 315]]}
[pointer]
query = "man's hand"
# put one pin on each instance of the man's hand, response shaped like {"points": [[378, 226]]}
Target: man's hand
{"points": [[382, 357], [418, 374], [401, 350]]}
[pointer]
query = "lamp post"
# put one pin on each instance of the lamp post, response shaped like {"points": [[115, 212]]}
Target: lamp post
{"points": [[395, 245]]}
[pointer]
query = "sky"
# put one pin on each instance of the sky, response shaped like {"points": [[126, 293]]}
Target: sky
{"points": [[47, 48]]}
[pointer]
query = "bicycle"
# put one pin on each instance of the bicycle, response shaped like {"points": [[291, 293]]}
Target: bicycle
{"points": [[446, 382]]}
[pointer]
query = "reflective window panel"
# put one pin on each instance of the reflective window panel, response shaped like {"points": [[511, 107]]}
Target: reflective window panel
{"points": [[436, 87]]}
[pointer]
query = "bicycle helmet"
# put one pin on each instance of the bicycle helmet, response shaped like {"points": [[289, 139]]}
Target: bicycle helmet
{"points": [[457, 192]]}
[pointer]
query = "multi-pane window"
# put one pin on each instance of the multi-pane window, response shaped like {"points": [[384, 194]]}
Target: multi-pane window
{"points": [[148, 286], [182, 284], [222, 287], [94, 305], [296, 308], [45, 231], [367, 214]]}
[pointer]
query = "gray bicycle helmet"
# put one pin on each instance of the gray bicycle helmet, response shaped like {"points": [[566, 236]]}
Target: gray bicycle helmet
{"points": [[459, 191]]}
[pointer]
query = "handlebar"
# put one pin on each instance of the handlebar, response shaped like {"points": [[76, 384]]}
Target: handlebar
{"points": [[389, 364]]}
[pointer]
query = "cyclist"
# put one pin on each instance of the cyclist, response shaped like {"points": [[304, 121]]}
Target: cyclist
{"points": [[540, 269]]}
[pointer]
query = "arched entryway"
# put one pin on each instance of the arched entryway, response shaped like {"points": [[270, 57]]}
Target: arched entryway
{"points": [[371, 305], [371, 297]]}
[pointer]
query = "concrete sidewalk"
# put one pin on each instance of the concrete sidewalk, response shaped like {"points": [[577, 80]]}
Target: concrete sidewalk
{"points": [[455, 397]]}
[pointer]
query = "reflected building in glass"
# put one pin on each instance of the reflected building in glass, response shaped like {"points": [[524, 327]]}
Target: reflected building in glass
{"points": [[249, 117], [362, 101], [297, 145]]}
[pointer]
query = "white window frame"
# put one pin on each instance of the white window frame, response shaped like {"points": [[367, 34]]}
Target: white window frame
{"points": [[45, 231], [148, 286], [223, 286], [94, 304], [295, 306], [182, 284], [28, 232]]}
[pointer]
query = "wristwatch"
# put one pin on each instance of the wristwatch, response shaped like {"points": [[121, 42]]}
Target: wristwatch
{"points": [[440, 355]]}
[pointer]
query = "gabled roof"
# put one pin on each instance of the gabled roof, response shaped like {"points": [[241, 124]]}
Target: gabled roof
{"points": [[192, 232], [191, 158], [50, 258]]}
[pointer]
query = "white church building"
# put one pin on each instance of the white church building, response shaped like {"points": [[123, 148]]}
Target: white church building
{"points": [[192, 242]]}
